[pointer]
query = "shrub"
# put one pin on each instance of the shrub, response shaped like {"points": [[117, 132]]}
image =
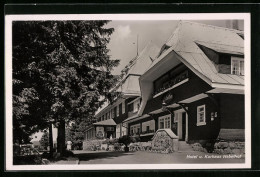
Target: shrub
{"points": [[126, 140]]}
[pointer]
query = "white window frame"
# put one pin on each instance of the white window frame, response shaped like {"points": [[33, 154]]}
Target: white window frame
{"points": [[164, 118], [176, 117], [123, 107], [135, 128], [198, 115], [117, 110], [239, 60]]}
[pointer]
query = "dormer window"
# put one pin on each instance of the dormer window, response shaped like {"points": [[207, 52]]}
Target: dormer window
{"points": [[237, 66]]}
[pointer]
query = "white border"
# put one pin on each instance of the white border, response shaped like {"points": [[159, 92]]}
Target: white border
{"points": [[194, 16]]}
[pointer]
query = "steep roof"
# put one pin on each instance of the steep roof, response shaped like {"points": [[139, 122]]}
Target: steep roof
{"points": [[129, 84], [144, 59], [136, 67], [184, 42]]}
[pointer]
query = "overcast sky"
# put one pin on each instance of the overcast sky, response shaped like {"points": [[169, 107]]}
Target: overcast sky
{"points": [[123, 41]]}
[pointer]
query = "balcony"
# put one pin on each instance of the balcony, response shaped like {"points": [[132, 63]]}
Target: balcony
{"points": [[175, 82]]}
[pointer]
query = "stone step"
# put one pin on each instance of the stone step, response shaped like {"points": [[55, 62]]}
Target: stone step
{"points": [[184, 147]]}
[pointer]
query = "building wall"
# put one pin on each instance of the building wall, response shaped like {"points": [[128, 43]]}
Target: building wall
{"points": [[232, 111], [194, 86], [120, 130], [212, 127], [228, 115]]}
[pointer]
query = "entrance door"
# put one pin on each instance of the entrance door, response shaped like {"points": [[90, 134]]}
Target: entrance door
{"points": [[180, 119], [109, 134]]}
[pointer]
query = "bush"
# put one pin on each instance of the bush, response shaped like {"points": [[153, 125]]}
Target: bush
{"points": [[110, 141], [126, 140]]}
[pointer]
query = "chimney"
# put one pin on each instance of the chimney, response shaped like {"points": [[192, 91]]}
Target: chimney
{"points": [[233, 24]]}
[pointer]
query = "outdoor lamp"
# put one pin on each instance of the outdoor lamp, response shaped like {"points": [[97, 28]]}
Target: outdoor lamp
{"points": [[164, 108]]}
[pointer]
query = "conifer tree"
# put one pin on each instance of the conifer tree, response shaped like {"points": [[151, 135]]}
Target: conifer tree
{"points": [[60, 71]]}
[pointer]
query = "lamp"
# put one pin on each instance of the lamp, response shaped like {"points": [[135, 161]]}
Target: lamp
{"points": [[164, 108]]}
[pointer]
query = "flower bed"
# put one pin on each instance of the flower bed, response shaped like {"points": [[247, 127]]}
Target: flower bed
{"points": [[223, 147], [92, 145]]}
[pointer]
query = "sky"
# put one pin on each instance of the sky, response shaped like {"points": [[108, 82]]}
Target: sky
{"points": [[124, 39]]}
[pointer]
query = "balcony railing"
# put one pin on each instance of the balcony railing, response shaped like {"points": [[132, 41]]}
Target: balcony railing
{"points": [[181, 77]]}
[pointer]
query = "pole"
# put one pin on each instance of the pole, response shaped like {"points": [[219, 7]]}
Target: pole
{"points": [[137, 45]]}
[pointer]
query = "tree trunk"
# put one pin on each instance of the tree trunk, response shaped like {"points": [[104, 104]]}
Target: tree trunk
{"points": [[50, 140], [61, 138]]}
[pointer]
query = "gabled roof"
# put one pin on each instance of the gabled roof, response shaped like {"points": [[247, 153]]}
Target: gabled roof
{"points": [[106, 122], [184, 43], [136, 67], [129, 84], [144, 59]]}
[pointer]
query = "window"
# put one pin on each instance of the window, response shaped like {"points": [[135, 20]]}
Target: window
{"points": [[120, 109], [165, 122], [176, 117], [103, 117], [135, 129], [237, 66], [147, 128], [110, 129], [123, 107], [201, 115], [113, 113], [117, 111], [132, 130], [130, 107], [108, 115], [136, 105]]}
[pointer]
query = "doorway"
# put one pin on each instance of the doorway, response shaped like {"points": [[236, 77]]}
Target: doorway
{"points": [[181, 121]]}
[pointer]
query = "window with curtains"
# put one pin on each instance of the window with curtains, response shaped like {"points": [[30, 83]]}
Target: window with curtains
{"points": [[164, 122], [201, 115], [135, 129], [237, 66]]}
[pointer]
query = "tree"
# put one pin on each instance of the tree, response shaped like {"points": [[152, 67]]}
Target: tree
{"points": [[45, 140], [60, 70]]}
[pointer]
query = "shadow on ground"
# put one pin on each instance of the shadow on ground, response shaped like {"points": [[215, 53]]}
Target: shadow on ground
{"points": [[100, 155]]}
